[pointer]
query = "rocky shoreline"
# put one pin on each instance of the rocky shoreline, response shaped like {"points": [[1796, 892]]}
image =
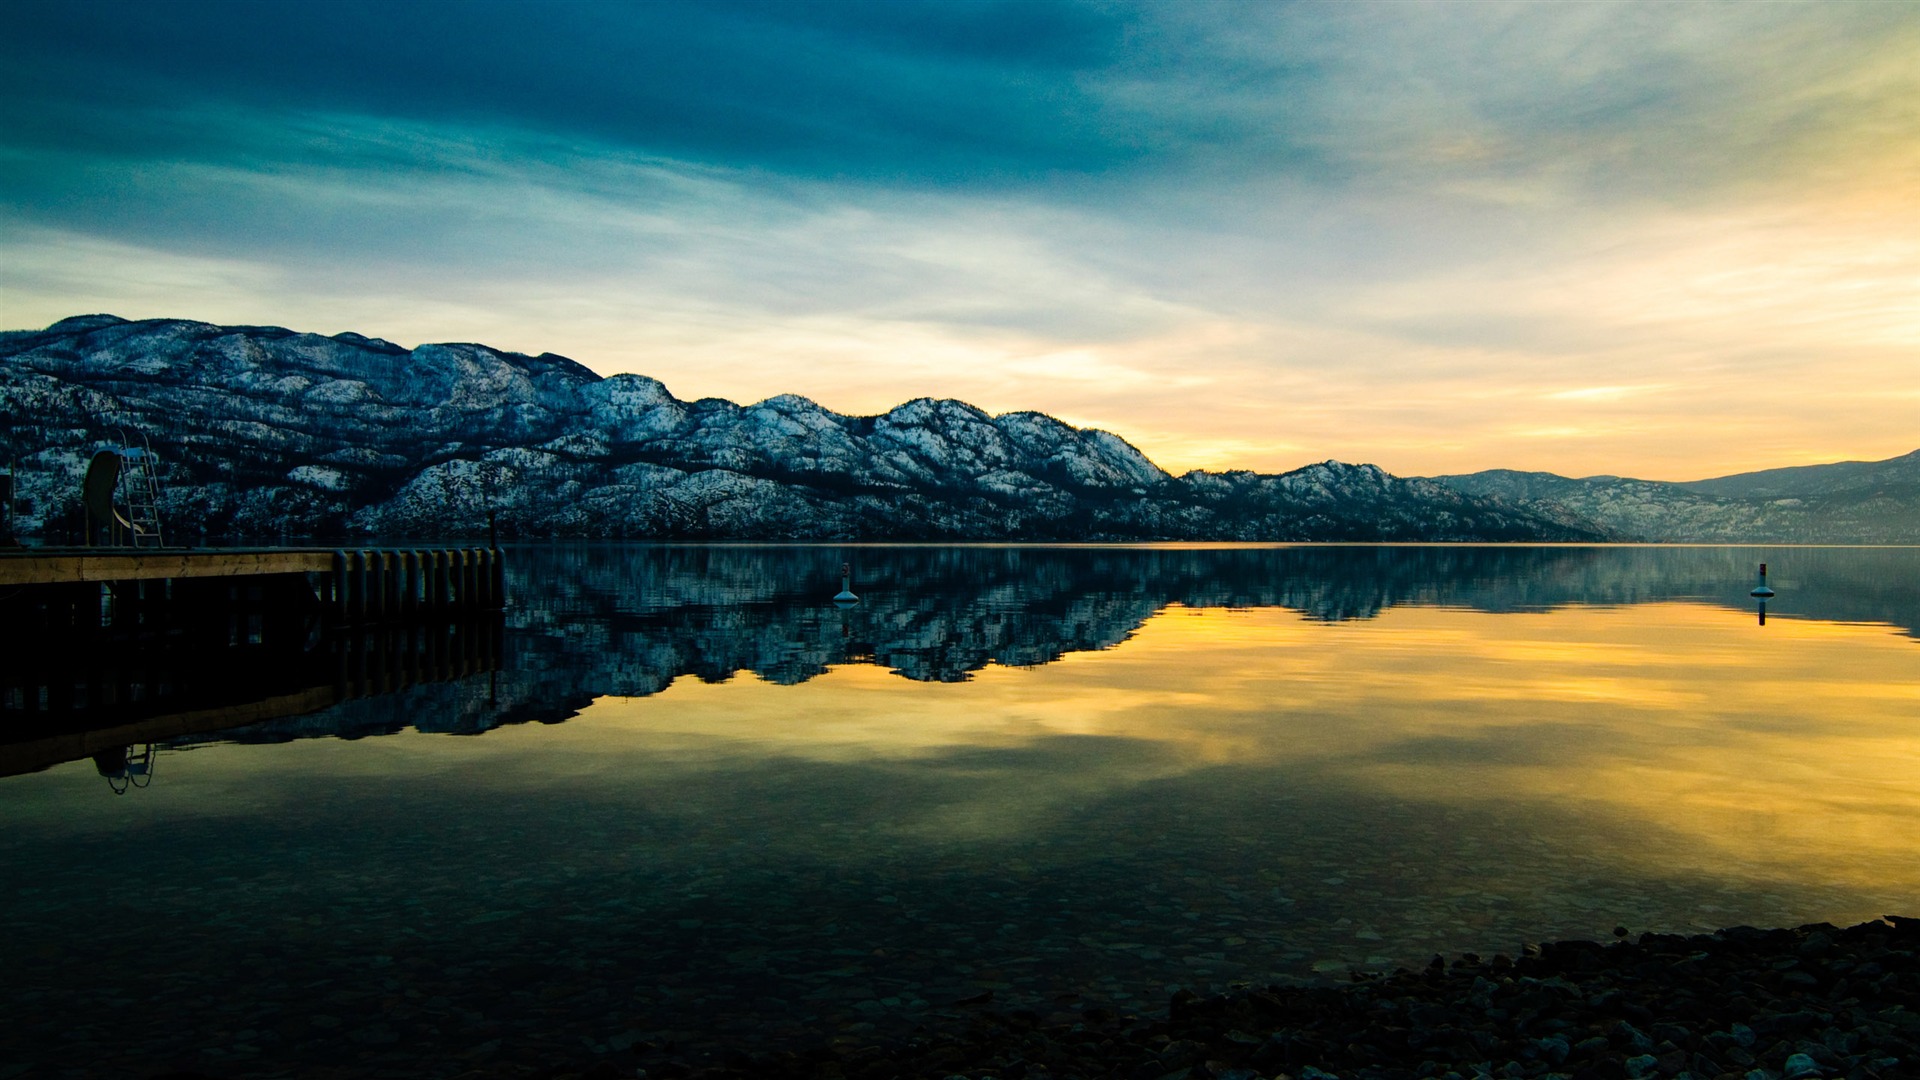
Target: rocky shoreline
{"points": [[1743, 1003]]}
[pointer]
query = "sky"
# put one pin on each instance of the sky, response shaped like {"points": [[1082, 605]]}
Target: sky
{"points": [[1669, 241]]}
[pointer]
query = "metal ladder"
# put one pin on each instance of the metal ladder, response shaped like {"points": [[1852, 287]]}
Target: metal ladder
{"points": [[140, 490]]}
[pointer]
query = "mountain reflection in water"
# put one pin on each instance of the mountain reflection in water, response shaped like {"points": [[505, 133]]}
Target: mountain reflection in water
{"points": [[612, 620], [1053, 774]]}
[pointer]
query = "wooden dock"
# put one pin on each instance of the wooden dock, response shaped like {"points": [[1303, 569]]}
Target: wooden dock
{"points": [[55, 566], [113, 646], [356, 586]]}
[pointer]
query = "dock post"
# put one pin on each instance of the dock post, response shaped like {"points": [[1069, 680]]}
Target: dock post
{"points": [[382, 667], [409, 647], [376, 585], [357, 673], [342, 680], [395, 574], [339, 588], [402, 578], [456, 578], [410, 588], [470, 574], [437, 581], [357, 587], [482, 579], [349, 589], [369, 586], [396, 571], [498, 566]]}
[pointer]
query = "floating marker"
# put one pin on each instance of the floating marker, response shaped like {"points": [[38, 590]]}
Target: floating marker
{"points": [[1761, 589], [845, 595]]}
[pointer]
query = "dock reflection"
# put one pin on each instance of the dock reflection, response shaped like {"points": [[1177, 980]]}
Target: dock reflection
{"points": [[128, 767], [104, 696]]}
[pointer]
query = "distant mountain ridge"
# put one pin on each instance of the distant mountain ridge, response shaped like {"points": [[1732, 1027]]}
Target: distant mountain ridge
{"points": [[1848, 502], [269, 433], [1804, 481]]}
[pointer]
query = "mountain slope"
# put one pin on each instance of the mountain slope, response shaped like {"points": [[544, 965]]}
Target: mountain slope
{"points": [[268, 432], [1849, 502], [1900, 474]]}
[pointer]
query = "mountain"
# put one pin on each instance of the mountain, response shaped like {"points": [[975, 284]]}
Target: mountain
{"points": [[1895, 477], [1849, 502], [268, 433]]}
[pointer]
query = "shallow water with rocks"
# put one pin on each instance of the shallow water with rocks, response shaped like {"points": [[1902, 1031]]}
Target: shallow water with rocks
{"points": [[700, 807]]}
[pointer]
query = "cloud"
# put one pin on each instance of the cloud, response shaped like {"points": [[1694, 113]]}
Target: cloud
{"points": [[45, 271], [938, 93], [1495, 103], [1396, 232]]}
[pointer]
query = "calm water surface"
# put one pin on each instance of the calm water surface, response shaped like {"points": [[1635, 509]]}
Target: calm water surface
{"points": [[700, 803]]}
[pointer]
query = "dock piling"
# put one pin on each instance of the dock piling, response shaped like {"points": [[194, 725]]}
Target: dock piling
{"points": [[120, 592]]}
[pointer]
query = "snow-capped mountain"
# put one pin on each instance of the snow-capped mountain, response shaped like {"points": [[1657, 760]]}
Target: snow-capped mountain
{"points": [[269, 433]]}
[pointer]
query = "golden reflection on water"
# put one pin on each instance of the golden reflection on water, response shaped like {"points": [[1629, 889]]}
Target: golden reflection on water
{"points": [[1227, 794], [1668, 741], [1693, 740]]}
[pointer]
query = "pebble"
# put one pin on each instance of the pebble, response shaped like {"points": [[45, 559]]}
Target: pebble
{"points": [[1467, 1018], [1800, 1067]]}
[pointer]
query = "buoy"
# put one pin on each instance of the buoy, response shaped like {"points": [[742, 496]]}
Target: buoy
{"points": [[1761, 589], [845, 595]]}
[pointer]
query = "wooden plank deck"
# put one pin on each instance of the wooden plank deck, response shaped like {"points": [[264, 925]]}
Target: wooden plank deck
{"points": [[69, 565]]}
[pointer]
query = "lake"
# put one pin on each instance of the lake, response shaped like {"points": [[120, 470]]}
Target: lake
{"points": [[691, 801]]}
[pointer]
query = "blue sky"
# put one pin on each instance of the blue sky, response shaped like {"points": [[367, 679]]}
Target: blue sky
{"points": [[1661, 240]]}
